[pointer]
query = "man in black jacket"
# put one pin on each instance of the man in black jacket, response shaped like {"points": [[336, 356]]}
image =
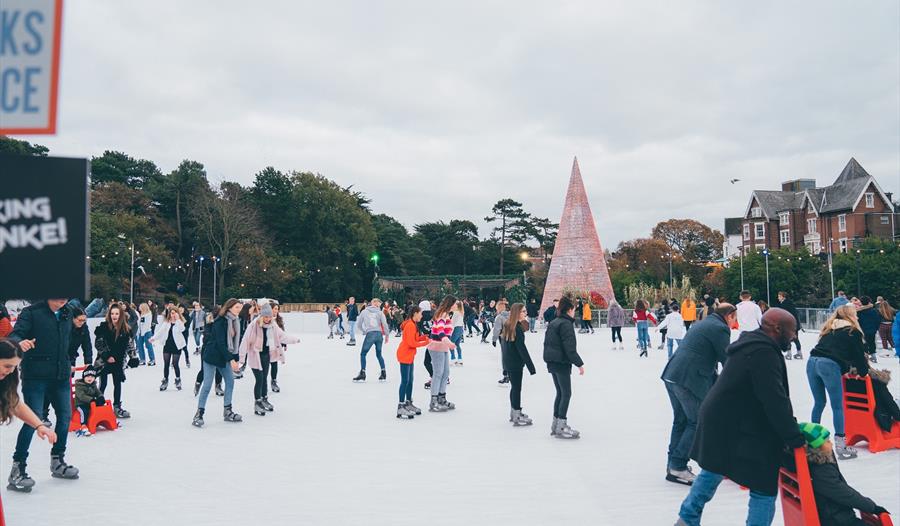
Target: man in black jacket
{"points": [[785, 303], [43, 331], [745, 422], [688, 377]]}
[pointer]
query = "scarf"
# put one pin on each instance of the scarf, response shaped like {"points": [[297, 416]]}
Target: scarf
{"points": [[234, 333]]}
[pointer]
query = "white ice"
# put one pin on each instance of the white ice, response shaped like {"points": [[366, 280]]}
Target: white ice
{"points": [[333, 452]]}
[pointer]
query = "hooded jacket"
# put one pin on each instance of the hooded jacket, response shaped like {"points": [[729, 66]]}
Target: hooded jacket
{"points": [[81, 337], [835, 499], [886, 410], [869, 320], [515, 354], [86, 393], [747, 418], [411, 340], [844, 345], [616, 315], [498, 326], [371, 319]]}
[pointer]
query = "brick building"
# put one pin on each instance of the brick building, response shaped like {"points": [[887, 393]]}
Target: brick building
{"points": [[851, 209]]}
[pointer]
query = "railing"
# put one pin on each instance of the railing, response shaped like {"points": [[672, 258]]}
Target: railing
{"points": [[810, 319]]}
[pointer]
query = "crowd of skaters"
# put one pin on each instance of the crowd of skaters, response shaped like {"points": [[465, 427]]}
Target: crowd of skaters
{"points": [[237, 334]]}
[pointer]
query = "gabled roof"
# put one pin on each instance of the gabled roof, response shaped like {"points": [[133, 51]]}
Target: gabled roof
{"points": [[844, 196], [771, 202], [852, 171]]}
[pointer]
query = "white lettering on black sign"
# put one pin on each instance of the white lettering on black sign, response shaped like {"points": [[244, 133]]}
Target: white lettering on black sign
{"points": [[17, 229]]}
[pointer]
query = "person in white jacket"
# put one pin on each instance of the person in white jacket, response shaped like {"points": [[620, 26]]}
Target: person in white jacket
{"points": [[145, 331], [170, 334], [749, 314], [674, 322]]}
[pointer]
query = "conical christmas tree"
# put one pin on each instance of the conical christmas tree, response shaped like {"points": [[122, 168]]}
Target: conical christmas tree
{"points": [[578, 262]]}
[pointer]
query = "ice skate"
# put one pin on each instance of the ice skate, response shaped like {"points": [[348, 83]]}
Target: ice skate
{"points": [[554, 426], [383, 376], [60, 470], [435, 406], [842, 450], [685, 476], [621, 346], [265, 403], [178, 383], [275, 388], [164, 385], [518, 418], [643, 353], [231, 416], [361, 377], [46, 422], [121, 412], [187, 364], [787, 355], [238, 375], [503, 382], [19, 479], [83, 431], [151, 363], [873, 358], [198, 418], [259, 408], [564, 431], [411, 407], [351, 343], [404, 412], [798, 355], [427, 385], [442, 398], [660, 347], [219, 390], [197, 386]]}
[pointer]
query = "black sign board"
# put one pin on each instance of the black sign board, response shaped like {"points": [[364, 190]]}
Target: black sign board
{"points": [[44, 230]]}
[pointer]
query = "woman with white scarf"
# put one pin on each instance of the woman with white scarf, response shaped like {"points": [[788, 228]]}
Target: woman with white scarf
{"points": [[219, 355], [260, 347]]}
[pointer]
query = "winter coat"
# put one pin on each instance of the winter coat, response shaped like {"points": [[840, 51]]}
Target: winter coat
{"points": [[895, 333], [515, 355], [703, 347], [162, 335], [835, 499], [109, 346], [869, 320], [586, 312], [689, 310], [838, 301], [252, 343], [215, 344], [86, 393], [531, 309], [411, 340], [843, 345], [789, 306], [80, 337], [560, 346], [352, 312], [643, 315], [674, 326], [49, 359], [145, 324], [132, 320], [498, 326], [616, 316], [550, 314], [886, 410], [196, 319], [747, 418]]}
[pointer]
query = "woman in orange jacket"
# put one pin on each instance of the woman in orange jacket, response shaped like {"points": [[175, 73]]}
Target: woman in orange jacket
{"points": [[586, 324], [688, 312], [406, 355]]}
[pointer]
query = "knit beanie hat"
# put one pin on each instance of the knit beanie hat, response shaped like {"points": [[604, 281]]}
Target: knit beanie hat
{"points": [[89, 371], [266, 311], [815, 434]]}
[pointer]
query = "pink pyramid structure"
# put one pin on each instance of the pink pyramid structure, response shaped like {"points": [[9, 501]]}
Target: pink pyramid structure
{"points": [[578, 261]]}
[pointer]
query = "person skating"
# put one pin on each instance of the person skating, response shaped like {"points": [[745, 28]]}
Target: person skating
{"points": [[170, 334], [616, 320], [869, 322], [196, 320], [146, 328], [499, 320], [550, 312], [587, 322], [441, 330], [411, 339], [488, 313], [425, 328], [11, 405], [352, 315], [785, 303], [373, 325], [86, 391], [688, 312], [749, 315], [888, 314], [642, 318], [458, 317], [332, 321], [276, 310], [114, 343], [673, 324], [260, 346], [515, 359], [532, 311], [560, 354], [219, 354], [79, 339]]}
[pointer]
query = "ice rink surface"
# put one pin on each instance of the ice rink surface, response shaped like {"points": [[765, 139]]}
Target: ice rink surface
{"points": [[333, 453]]}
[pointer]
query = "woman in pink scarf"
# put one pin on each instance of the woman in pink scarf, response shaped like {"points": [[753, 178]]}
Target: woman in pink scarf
{"points": [[261, 346]]}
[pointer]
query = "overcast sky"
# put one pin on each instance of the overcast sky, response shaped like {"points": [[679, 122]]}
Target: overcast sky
{"points": [[436, 112]]}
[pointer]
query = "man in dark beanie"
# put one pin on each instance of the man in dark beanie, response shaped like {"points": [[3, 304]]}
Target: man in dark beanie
{"points": [[745, 422]]}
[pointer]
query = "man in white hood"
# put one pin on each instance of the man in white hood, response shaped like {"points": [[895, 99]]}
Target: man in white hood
{"points": [[374, 326]]}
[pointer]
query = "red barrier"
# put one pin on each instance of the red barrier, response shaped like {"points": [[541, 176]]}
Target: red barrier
{"points": [[859, 416]]}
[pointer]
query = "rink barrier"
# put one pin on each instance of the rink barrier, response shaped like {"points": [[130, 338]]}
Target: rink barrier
{"points": [[798, 503], [859, 416], [100, 416]]}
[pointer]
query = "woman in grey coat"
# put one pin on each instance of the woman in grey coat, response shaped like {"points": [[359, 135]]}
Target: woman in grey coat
{"points": [[616, 320]]}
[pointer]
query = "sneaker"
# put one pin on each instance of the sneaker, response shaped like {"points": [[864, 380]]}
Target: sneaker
{"points": [[83, 431], [681, 476]]}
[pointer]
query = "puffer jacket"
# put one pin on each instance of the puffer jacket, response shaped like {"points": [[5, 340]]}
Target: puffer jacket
{"points": [[886, 410], [843, 345], [560, 348], [869, 320], [86, 393]]}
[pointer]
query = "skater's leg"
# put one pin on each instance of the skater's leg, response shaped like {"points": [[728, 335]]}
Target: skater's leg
{"points": [[60, 394], [379, 339], [817, 386], [445, 377], [265, 361], [565, 386], [410, 369], [139, 344], [702, 491], [274, 368], [33, 394], [761, 509], [104, 375], [167, 360], [515, 390], [175, 359], [456, 338], [679, 421], [228, 377], [558, 398], [404, 378], [84, 412], [187, 355], [439, 361], [368, 341], [260, 380], [429, 366], [830, 372], [219, 375], [150, 354], [117, 389], [669, 347], [208, 374], [200, 374], [690, 406]]}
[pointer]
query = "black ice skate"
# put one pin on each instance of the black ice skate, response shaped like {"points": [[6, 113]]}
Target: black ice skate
{"points": [[404, 412], [266, 405], [383, 376], [121, 412], [361, 377], [259, 408], [164, 385], [219, 390], [178, 383], [275, 388], [198, 418], [197, 386], [411, 407]]}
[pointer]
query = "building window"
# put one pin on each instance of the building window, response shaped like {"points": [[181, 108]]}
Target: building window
{"points": [[746, 232], [784, 218], [885, 220], [760, 230], [811, 226], [785, 237], [870, 200], [843, 245], [842, 223], [756, 212], [760, 246]]}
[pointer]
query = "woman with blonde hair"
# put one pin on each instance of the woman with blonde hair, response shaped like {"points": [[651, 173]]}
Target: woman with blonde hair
{"points": [[515, 358], [145, 333], [887, 321], [170, 334], [840, 347]]}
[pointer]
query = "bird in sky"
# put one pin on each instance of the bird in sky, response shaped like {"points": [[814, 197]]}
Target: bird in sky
{"points": [[732, 181]]}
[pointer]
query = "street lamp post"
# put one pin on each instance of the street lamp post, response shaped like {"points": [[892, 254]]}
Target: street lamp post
{"points": [[671, 276], [858, 285], [742, 267], [131, 290], [200, 281], [768, 297]]}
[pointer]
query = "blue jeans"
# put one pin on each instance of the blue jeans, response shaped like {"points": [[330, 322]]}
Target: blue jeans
{"points": [[532, 324], [352, 330], [824, 375], [669, 345], [685, 408], [456, 338], [406, 382], [372, 338], [197, 334], [643, 334], [209, 374], [142, 341], [441, 363], [34, 392], [761, 510]]}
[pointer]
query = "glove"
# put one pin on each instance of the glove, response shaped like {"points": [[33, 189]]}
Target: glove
{"points": [[879, 510]]}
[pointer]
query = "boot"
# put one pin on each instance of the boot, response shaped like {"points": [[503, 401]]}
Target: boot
{"points": [[564, 431], [554, 426], [121, 412], [428, 385], [178, 383], [231, 416], [518, 418], [60, 470], [404, 412], [842, 450], [219, 390], [787, 355], [198, 418], [798, 355], [682, 476], [435, 406], [411, 407], [265, 402], [275, 388], [164, 385], [259, 408], [361, 377], [442, 398], [19, 480], [383, 376]]}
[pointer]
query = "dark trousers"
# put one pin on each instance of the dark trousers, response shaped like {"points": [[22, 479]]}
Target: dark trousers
{"points": [[187, 356], [563, 384], [869, 344], [260, 389], [515, 387], [685, 407], [428, 366], [616, 333], [406, 382], [797, 343], [172, 358], [34, 392], [470, 325], [117, 385], [85, 411], [687, 325], [486, 330], [274, 367]]}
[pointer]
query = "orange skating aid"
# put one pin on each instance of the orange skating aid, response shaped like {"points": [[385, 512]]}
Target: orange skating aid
{"points": [[859, 416]]}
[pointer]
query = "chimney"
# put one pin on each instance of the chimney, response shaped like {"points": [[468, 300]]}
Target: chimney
{"points": [[798, 185]]}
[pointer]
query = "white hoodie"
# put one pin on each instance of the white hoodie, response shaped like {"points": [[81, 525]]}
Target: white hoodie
{"points": [[749, 316], [675, 325]]}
